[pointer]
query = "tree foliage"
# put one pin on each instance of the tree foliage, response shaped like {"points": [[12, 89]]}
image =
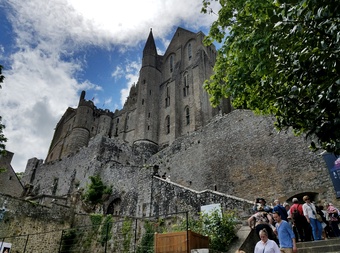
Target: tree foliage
{"points": [[96, 191], [219, 227], [3, 139], [281, 58]]}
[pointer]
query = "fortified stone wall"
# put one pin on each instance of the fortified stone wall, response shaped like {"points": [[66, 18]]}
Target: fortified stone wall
{"points": [[114, 161], [169, 197], [24, 217], [243, 155], [238, 154]]}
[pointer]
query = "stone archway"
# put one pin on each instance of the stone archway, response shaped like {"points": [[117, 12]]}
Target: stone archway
{"points": [[114, 207], [312, 194]]}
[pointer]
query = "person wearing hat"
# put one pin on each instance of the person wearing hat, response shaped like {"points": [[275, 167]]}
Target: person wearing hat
{"points": [[261, 202]]}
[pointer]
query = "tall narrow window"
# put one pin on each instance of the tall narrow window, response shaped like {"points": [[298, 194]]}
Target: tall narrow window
{"points": [[189, 51], [186, 85], [187, 115], [171, 63], [167, 124], [167, 97]]}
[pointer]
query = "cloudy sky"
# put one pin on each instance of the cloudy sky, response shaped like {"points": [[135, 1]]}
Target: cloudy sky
{"points": [[52, 50]]}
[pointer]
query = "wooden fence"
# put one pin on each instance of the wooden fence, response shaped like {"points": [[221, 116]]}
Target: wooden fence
{"points": [[180, 242]]}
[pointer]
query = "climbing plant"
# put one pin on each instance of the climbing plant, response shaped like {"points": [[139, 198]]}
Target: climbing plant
{"points": [[147, 242]]}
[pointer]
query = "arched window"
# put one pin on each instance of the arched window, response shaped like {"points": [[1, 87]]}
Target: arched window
{"points": [[114, 207], [167, 124], [171, 63], [187, 115], [186, 85], [189, 51]]}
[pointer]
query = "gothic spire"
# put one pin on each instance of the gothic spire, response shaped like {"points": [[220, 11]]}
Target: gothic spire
{"points": [[150, 46]]}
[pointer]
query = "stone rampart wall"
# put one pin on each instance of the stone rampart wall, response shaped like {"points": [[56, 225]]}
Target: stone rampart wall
{"points": [[43, 224], [243, 155]]}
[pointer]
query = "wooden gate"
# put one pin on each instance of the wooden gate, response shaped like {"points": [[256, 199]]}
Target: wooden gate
{"points": [[177, 242]]}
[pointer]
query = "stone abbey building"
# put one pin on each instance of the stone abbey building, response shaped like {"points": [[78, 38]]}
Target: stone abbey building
{"points": [[213, 155], [167, 126], [168, 101]]}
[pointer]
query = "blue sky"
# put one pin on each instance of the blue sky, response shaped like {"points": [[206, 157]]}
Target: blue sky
{"points": [[52, 50]]}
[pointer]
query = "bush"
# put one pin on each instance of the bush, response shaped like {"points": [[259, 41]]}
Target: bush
{"points": [[219, 227], [96, 190]]}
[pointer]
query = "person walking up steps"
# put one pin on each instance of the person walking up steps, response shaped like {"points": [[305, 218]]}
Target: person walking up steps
{"points": [[285, 234]]}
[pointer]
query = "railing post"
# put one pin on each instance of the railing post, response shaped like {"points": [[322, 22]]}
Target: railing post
{"points": [[187, 216], [134, 248], [2, 242], [26, 243], [61, 240], [107, 236]]}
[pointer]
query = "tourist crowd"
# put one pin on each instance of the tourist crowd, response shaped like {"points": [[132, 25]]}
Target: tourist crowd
{"points": [[280, 226]]}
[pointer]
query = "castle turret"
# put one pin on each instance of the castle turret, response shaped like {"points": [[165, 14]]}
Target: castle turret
{"points": [[148, 94], [82, 123], [150, 52]]}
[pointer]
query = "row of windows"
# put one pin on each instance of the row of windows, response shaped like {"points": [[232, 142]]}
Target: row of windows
{"points": [[167, 122], [185, 91]]}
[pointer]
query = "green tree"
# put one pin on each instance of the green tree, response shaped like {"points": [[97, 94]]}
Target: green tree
{"points": [[96, 191], [3, 139], [281, 58]]}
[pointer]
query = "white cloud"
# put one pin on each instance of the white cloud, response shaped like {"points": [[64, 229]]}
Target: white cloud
{"points": [[40, 83], [118, 73]]}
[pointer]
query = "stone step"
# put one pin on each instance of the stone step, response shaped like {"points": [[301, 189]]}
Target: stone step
{"points": [[323, 246]]}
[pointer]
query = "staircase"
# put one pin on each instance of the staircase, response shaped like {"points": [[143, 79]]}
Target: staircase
{"points": [[323, 246]]}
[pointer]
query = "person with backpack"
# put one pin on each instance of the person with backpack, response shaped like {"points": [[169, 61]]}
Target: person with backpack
{"points": [[300, 222]]}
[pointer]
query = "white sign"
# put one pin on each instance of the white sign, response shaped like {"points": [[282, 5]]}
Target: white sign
{"points": [[5, 247], [209, 209]]}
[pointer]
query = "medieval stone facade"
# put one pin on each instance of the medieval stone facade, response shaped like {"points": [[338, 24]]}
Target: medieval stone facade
{"points": [[167, 122], [167, 126], [168, 101]]}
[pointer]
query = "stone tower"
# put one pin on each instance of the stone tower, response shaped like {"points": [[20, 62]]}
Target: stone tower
{"points": [[147, 107]]}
